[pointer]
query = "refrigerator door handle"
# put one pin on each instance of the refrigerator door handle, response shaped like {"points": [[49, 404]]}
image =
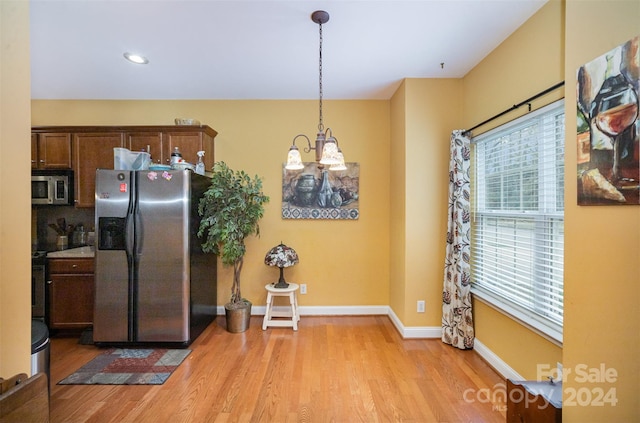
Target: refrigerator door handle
{"points": [[133, 241], [138, 231], [130, 235]]}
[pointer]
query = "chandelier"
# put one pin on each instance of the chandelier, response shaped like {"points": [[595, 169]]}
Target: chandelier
{"points": [[326, 146]]}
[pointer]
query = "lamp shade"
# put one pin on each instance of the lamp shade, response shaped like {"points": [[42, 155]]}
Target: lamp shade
{"points": [[281, 256], [340, 165], [330, 152], [294, 161]]}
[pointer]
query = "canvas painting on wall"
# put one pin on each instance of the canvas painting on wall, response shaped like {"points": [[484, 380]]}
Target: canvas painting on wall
{"points": [[313, 193], [608, 127]]}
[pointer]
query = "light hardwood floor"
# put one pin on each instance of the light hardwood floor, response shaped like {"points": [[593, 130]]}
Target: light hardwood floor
{"points": [[333, 369]]}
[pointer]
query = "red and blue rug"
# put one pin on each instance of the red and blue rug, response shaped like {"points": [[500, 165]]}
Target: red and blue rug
{"points": [[118, 366]]}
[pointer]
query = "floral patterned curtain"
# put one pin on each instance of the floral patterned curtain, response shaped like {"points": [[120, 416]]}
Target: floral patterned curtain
{"points": [[457, 316]]}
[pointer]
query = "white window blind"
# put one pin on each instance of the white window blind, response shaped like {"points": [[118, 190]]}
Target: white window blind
{"points": [[517, 245]]}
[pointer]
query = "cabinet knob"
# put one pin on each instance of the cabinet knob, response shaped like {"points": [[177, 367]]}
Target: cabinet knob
{"points": [[49, 282], [74, 266], [41, 161]]}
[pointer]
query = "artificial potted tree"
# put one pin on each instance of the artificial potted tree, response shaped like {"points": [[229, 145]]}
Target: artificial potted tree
{"points": [[230, 210]]}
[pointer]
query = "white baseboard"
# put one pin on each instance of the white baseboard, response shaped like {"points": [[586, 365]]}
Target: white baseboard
{"points": [[322, 310], [414, 332], [405, 332], [411, 332], [343, 310], [496, 362]]}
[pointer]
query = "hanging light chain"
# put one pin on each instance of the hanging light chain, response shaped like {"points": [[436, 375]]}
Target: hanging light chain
{"points": [[320, 123]]}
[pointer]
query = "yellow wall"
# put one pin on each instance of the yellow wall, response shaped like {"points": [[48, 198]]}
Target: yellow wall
{"points": [[527, 62], [397, 198], [423, 113], [432, 109], [602, 244], [342, 262], [15, 222]]}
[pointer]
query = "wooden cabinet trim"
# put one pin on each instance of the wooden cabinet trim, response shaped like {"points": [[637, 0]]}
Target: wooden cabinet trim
{"points": [[133, 128]]}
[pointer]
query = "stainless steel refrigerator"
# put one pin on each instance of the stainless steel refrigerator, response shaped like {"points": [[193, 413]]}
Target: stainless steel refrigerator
{"points": [[153, 282]]}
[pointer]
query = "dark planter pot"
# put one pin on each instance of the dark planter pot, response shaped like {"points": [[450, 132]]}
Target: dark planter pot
{"points": [[238, 317]]}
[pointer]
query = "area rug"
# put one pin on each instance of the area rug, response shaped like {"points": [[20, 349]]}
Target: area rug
{"points": [[118, 366]]}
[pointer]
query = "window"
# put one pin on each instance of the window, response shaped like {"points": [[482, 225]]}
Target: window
{"points": [[517, 243]]}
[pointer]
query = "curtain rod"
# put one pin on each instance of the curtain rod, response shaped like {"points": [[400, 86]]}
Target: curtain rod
{"points": [[515, 106]]}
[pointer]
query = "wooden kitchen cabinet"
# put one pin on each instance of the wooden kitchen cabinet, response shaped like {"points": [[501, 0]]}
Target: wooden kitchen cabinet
{"points": [[189, 143], [91, 148], [51, 150], [70, 291], [160, 145], [151, 142], [91, 151]]}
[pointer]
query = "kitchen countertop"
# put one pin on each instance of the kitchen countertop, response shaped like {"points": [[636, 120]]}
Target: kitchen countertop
{"points": [[80, 252]]}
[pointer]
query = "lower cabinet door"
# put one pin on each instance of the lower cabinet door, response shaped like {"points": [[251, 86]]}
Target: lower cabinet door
{"points": [[70, 301]]}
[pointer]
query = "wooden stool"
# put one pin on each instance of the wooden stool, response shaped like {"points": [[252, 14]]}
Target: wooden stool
{"points": [[294, 313]]}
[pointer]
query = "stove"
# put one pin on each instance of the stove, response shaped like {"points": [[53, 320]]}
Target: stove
{"points": [[38, 284], [38, 257]]}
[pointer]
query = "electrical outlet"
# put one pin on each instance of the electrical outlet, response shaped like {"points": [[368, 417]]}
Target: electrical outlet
{"points": [[420, 306], [303, 288]]}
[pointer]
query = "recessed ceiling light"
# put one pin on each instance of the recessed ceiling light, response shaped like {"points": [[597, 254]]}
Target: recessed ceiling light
{"points": [[136, 58]]}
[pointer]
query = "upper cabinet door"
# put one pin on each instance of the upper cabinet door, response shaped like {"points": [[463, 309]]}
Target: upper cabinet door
{"points": [[51, 151], [34, 151], [92, 151], [151, 142], [189, 143]]}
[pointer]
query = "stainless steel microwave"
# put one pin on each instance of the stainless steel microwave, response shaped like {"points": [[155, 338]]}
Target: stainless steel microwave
{"points": [[52, 187]]}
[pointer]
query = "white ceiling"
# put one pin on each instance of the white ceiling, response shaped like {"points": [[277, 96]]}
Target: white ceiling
{"points": [[260, 49]]}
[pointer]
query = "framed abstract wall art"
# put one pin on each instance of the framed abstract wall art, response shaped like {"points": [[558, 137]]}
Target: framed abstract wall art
{"points": [[608, 127], [313, 193]]}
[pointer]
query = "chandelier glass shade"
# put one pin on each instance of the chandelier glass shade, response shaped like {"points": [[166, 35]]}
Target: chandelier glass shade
{"points": [[294, 159], [330, 152]]}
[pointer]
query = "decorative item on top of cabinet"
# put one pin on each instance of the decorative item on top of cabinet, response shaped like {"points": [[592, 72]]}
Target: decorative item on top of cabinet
{"points": [[71, 291], [51, 151]]}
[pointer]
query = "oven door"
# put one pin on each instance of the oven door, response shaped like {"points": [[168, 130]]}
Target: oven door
{"points": [[38, 283]]}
